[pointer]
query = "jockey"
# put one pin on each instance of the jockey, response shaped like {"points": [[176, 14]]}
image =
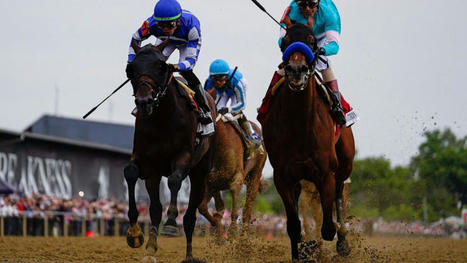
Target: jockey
{"points": [[182, 29], [232, 88], [322, 16]]}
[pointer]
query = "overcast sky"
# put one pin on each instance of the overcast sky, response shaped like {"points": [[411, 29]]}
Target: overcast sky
{"points": [[401, 63]]}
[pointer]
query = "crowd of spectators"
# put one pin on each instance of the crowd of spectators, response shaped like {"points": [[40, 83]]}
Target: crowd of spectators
{"points": [[106, 216]]}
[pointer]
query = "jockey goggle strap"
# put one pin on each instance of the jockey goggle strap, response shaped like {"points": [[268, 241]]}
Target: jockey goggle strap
{"points": [[307, 3], [167, 24], [220, 77]]}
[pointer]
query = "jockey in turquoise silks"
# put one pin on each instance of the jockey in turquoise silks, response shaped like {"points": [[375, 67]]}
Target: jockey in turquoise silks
{"points": [[182, 28], [324, 20], [230, 85]]}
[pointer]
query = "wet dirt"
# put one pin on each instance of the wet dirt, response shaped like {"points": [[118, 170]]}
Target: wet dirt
{"points": [[242, 249]]}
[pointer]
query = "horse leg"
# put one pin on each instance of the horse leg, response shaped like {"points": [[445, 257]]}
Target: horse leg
{"points": [[342, 246], [303, 204], [252, 189], [155, 212], [235, 188], [220, 207], [174, 181], [290, 195], [198, 184], [203, 210], [134, 236], [327, 193]]}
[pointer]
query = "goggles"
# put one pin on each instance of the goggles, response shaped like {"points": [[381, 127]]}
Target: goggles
{"points": [[167, 24], [307, 3], [220, 77]]}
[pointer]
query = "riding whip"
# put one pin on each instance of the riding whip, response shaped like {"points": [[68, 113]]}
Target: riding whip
{"points": [[264, 10], [93, 109]]}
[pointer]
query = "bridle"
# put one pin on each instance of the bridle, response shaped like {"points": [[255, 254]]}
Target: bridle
{"points": [[157, 92]]}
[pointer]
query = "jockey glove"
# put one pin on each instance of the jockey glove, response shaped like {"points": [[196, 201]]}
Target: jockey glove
{"points": [[321, 51], [129, 71], [173, 67], [223, 110]]}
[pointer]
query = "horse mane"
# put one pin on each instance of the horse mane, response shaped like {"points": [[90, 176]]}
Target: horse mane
{"points": [[299, 33]]}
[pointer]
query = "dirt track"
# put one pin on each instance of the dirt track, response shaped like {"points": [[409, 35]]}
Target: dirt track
{"points": [[376, 249]]}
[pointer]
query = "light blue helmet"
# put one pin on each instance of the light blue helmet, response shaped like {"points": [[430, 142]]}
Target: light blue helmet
{"points": [[219, 67], [167, 10]]}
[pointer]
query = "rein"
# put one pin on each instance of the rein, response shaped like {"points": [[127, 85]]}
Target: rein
{"points": [[157, 96]]}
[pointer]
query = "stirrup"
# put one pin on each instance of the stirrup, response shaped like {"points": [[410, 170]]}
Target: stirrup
{"points": [[338, 115]]}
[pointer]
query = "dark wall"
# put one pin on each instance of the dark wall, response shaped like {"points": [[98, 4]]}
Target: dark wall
{"points": [[59, 169]]}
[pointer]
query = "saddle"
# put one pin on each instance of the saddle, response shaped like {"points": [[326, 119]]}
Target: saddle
{"points": [[186, 92]]}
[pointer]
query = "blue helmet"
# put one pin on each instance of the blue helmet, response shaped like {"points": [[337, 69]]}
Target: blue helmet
{"points": [[167, 10], [219, 67]]}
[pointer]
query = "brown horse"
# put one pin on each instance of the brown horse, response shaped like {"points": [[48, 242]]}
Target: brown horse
{"points": [[164, 145], [300, 139], [231, 171]]}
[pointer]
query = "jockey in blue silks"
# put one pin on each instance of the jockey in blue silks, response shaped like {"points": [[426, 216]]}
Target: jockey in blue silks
{"points": [[231, 88], [182, 29], [322, 16]]}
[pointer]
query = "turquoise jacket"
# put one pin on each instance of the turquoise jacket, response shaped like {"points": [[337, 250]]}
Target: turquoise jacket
{"points": [[327, 24]]}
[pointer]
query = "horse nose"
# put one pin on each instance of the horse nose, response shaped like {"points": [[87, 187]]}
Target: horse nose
{"points": [[143, 101]]}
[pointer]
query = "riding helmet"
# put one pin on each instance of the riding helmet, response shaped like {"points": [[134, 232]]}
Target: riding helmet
{"points": [[167, 10], [219, 67]]}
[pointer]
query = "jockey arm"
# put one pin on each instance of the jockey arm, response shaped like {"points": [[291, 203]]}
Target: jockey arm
{"points": [[239, 90], [193, 47], [141, 34], [332, 29]]}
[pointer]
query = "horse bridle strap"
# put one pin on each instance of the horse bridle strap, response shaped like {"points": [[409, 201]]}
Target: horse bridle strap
{"points": [[159, 95]]}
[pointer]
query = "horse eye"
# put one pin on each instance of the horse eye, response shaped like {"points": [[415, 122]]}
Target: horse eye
{"points": [[288, 68], [304, 68]]}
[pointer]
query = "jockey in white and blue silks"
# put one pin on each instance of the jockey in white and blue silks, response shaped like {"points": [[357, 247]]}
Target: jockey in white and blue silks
{"points": [[182, 29], [324, 19], [231, 88]]}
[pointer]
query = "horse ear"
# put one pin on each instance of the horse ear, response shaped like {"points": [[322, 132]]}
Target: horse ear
{"points": [[285, 42], [162, 45], [311, 41]]}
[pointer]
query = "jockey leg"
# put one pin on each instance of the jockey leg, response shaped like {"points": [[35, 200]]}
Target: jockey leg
{"points": [[336, 111], [252, 139], [200, 96], [263, 109]]}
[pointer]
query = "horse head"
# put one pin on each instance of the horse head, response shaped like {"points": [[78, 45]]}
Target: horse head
{"points": [[150, 77], [298, 48]]}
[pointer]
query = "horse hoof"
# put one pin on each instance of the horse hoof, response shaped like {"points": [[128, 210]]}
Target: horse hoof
{"points": [[135, 239], [343, 248], [149, 259], [170, 231], [193, 260]]}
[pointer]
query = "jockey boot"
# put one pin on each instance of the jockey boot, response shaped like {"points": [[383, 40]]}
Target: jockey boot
{"points": [[337, 112], [204, 110], [252, 140]]}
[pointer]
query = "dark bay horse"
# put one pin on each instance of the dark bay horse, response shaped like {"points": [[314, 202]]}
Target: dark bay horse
{"points": [[300, 140], [164, 145], [230, 171]]}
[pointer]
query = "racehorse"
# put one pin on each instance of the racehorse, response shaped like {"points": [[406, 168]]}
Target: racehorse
{"points": [[164, 145], [230, 170], [301, 142]]}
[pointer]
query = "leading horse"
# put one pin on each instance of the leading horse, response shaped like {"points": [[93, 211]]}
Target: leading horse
{"points": [[165, 144], [300, 139]]}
